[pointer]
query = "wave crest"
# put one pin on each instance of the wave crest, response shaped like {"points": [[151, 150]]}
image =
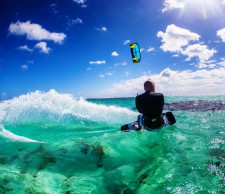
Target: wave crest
{"points": [[57, 108], [9, 135]]}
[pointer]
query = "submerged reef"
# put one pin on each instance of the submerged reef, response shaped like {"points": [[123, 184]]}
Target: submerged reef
{"points": [[199, 105]]}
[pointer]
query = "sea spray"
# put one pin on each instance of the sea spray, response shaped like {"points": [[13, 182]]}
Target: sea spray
{"points": [[9, 135], [55, 108]]}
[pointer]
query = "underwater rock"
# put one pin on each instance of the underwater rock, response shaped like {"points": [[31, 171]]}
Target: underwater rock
{"points": [[198, 105], [218, 153], [4, 189], [63, 150], [84, 149], [46, 159], [141, 179], [97, 151], [40, 149], [15, 157], [3, 160], [219, 164]]}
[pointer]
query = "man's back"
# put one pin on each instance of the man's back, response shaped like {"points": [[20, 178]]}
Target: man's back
{"points": [[150, 104]]}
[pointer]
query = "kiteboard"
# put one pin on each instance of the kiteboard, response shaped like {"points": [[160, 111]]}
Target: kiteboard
{"points": [[168, 119]]}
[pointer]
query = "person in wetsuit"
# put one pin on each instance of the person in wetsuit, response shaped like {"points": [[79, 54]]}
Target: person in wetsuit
{"points": [[150, 105]]}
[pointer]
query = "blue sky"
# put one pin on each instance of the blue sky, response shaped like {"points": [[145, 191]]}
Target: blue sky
{"points": [[82, 46]]}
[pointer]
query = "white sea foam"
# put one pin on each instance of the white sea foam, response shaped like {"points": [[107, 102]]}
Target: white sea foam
{"points": [[9, 135], [53, 107]]}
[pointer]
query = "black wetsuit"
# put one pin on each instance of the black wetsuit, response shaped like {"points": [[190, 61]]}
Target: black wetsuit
{"points": [[151, 106]]}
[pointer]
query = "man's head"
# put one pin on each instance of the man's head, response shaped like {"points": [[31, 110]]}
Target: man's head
{"points": [[149, 86]]}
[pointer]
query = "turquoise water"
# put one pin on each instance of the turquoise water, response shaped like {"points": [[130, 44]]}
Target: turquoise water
{"points": [[54, 143]]}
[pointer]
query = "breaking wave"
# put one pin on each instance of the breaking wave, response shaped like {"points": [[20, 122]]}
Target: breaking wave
{"points": [[9, 135], [53, 108]]}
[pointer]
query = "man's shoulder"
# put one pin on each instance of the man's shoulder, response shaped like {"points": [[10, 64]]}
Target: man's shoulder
{"points": [[146, 95], [157, 94], [141, 95], [151, 94]]}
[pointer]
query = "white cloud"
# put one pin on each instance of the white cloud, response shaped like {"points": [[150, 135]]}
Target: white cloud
{"points": [[103, 29], [142, 49], [151, 49], [223, 1], [146, 73], [175, 38], [171, 82], [216, 41], [106, 74], [172, 4], [127, 73], [200, 51], [30, 61], [35, 32], [43, 47], [75, 21], [126, 42], [115, 54], [81, 3], [4, 94], [175, 55], [25, 47], [123, 64], [24, 67], [210, 61], [53, 7], [208, 64], [89, 69], [97, 62], [221, 33], [222, 62], [203, 65]]}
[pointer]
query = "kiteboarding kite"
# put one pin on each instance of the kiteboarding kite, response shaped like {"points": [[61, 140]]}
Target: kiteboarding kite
{"points": [[135, 52]]}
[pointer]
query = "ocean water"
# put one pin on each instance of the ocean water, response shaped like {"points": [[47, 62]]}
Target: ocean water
{"points": [[53, 143]]}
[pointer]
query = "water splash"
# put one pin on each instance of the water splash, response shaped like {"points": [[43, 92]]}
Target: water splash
{"points": [[55, 108], [9, 135]]}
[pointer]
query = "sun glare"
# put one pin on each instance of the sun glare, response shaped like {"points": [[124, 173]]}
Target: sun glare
{"points": [[203, 8]]}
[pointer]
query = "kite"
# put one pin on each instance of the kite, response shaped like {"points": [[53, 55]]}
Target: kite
{"points": [[135, 52]]}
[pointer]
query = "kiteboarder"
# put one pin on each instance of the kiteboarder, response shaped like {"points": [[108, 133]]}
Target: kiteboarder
{"points": [[150, 105]]}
